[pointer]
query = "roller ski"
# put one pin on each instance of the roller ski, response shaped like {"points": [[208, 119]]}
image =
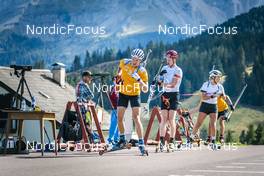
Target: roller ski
{"points": [[122, 145], [159, 147], [118, 146]]}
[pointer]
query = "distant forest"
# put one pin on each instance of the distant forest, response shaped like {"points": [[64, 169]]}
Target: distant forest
{"points": [[240, 57]]}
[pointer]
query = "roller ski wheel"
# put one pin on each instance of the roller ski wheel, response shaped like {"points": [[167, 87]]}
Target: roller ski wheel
{"points": [[87, 147], [101, 152], [169, 148], [179, 146], [71, 145], [159, 147]]}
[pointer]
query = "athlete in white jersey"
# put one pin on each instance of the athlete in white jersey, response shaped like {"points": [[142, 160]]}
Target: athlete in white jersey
{"points": [[171, 81], [211, 90]]}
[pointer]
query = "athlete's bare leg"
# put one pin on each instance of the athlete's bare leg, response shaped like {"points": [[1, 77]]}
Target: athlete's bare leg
{"points": [[212, 123], [199, 122], [172, 123], [163, 123], [120, 116], [138, 124]]}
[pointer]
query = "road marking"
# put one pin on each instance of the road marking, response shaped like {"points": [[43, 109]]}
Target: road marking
{"points": [[185, 175], [231, 167], [248, 163], [230, 171]]}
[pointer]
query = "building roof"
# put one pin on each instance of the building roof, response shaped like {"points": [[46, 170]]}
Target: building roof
{"points": [[50, 96], [58, 64]]}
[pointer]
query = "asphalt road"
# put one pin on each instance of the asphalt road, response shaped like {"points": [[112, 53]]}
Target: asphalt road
{"points": [[201, 161]]}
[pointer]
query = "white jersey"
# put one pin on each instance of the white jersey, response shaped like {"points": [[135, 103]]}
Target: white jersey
{"points": [[210, 89], [172, 72]]}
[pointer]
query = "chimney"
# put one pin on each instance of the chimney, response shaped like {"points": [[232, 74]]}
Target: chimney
{"points": [[59, 73]]}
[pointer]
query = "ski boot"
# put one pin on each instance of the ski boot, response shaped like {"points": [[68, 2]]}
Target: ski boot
{"points": [[121, 144], [159, 147], [195, 139], [142, 148], [110, 143], [222, 140], [214, 145], [208, 141]]}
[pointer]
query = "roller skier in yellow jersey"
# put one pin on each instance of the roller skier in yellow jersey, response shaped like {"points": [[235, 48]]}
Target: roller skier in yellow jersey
{"points": [[133, 79]]}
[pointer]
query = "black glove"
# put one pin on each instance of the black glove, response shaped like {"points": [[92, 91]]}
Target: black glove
{"points": [[163, 72], [232, 107]]}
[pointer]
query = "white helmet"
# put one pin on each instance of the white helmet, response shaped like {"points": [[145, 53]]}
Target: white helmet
{"points": [[138, 53], [214, 73]]}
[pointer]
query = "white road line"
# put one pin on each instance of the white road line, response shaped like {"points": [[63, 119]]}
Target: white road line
{"points": [[231, 167], [230, 171], [248, 163], [184, 175]]}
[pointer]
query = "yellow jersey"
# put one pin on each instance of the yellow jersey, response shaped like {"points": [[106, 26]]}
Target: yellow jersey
{"points": [[129, 85], [221, 104]]}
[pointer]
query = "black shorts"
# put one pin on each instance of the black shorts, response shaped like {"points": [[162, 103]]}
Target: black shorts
{"points": [[124, 99], [208, 108], [173, 100], [223, 114]]}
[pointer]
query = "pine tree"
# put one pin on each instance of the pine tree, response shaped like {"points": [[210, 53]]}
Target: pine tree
{"points": [[76, 65], [39, 64], [250, 134], [229, 136], [259, 134], [87, 59], [242, 137], [255, 91], [119, 55]]}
